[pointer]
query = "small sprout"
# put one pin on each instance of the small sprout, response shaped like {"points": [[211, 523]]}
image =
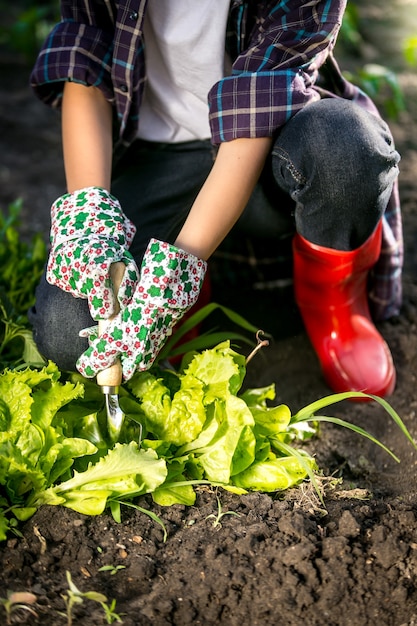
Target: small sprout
{"points": [[109, 612], [220, 514], [261, 343], [113, 569], [75, 596], [18, 600]]}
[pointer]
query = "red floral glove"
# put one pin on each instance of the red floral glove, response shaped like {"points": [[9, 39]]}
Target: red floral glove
{"points": [[89, 232], [169, 285]]}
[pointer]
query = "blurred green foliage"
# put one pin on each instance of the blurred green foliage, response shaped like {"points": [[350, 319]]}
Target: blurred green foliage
{"points": [[378, 81], [349, 32], [25, 24], [410, 50], [21, 265]]}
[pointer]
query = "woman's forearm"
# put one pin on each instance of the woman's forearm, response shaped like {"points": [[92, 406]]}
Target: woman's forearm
{"points": [[86, 137], [224, 195]]}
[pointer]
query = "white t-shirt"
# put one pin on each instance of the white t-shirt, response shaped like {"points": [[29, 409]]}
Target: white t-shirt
{"points": [[185, 57]]}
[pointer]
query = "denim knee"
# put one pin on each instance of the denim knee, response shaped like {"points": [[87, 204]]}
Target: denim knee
{"points": [[56, 319], [338, 163]]}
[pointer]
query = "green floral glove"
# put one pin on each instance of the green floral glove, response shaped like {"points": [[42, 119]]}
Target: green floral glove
{"points": [[89, 232], [169, 285]]}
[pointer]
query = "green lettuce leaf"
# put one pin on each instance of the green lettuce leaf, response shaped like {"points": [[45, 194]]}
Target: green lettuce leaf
{"points": [[221, 369], [232, 447], [34, 449], [125, 471], [274, 475], [178, 419], [176, 489]]}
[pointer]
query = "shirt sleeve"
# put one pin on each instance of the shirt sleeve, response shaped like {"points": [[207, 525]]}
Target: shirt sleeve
{"points": [[274, 76], [78, 49]]}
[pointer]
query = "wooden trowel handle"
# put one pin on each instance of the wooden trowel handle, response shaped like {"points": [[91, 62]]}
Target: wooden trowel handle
{"points": [[112, 376]]}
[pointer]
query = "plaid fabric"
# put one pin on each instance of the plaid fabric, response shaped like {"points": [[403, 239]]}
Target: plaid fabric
{"points": [[282, 53]]}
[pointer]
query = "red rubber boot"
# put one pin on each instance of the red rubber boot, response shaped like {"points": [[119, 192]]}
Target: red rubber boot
{"points": [[330, 289]]}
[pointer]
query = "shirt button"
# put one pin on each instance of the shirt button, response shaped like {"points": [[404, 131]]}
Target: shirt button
{"points": [[124, 88], [133, 16]]}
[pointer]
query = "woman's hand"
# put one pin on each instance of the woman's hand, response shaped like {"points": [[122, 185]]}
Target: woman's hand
{"points": [[170, 283]]}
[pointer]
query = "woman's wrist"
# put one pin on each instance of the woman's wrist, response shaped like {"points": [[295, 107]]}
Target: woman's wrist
{"points": [[87, 137]]}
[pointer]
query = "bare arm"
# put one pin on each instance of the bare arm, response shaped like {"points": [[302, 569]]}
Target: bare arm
{"points": [[87, 137], [87, 144], [224, 195]]}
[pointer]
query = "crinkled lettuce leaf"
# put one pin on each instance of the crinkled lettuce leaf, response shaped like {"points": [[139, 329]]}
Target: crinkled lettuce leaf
{"points": [[125, 471], [35, 451], [178, 418], [274, 474]]}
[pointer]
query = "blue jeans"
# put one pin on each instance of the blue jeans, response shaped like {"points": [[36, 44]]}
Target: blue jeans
{"points": [[329, 177]]}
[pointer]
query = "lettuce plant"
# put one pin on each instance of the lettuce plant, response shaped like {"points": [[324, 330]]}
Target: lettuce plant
{"points": [[199, 428]]}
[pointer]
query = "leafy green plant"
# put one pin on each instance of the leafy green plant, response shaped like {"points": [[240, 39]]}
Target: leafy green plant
{"points": [[349, 31], [34, 451], [381, 84], [198, 426], [378, 81], [22, 262]]}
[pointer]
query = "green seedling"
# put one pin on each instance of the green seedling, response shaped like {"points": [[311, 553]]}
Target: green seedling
{"points": [[74, 596], [18, 601], [113, 569], [109, 612], [217, 517]]}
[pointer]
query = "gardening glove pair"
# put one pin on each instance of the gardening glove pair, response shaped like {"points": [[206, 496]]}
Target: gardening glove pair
{"points": [[169, 285], [89, 232]]}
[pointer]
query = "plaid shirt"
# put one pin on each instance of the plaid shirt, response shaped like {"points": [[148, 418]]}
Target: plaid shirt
{"points": [[283, 60]]}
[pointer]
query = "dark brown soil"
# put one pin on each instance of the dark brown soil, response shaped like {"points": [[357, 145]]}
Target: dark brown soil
{"points": [[281, 559]]}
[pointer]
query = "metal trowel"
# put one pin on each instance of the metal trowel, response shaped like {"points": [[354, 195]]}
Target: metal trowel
{"points": [[110, 379]]}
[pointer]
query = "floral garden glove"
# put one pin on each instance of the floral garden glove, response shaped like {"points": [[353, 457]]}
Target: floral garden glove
{"points": [[170, 283], [89, 232]]}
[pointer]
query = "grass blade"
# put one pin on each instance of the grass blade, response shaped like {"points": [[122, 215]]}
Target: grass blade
{"points": [[397, 419], [356, 429], [152, 515], [198, 317], [308, 413]]}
